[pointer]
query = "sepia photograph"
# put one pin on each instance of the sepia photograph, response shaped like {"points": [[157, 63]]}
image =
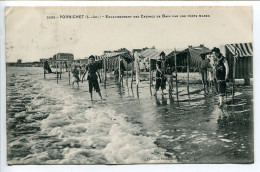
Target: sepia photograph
{"points": [[129, 85]]}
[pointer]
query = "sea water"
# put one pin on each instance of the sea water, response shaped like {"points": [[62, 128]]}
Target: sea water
{"points": [[50, 123]]}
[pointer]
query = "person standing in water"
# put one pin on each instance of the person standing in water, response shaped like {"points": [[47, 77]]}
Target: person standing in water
{"points": [[47, 67], [122, 70], [92, 77], [221, 74], [66, 66], [169, 73], [75, 73], [204, 65], [210, 71], [160, 74]]}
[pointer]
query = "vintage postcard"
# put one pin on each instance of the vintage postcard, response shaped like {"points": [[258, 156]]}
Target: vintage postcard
{"points": [[129, 85]]}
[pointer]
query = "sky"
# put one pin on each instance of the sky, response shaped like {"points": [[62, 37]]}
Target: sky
{"points": [[30, 35]]}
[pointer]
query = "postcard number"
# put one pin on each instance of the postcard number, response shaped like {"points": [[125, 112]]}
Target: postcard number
{"points": [[50, 17]]}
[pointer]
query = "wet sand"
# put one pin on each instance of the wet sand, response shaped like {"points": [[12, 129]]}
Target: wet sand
{"points": [[130, 126]]}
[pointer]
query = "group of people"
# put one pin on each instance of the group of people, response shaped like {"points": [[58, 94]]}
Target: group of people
{"points": [[161, 77], [214, 72], [144, 65], [213, 68], [77, 70]]}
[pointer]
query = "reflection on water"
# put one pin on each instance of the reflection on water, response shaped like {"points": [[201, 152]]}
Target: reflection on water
{"points": [[56, 124]]}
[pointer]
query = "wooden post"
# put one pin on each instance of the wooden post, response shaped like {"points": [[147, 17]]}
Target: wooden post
{"points": [[137, 71], [105, 72], [150, 76], [68, 67], [101, 70], [119, 70], [43, 72], [188, 72], [175, 60], [127, 74], [57, 70], [109, 69], [150, 73], [234, 77], [132, 73], [60, 68]]}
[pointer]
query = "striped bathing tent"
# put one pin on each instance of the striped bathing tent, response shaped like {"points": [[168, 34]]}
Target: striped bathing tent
{"points": [[97, 58], [190, 56], [153, 55], [243, 54], [112, 59], [99, 61]]}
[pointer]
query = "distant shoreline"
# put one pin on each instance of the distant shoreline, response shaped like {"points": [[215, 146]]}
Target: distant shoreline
{"points": [[28, 64]]}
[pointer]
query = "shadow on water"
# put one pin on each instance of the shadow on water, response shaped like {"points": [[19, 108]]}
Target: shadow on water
{"points": [[162, 101]]}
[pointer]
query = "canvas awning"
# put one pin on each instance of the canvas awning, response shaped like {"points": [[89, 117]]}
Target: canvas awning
{"points": [[193, 53], [115, 54], [241, 49], [112, 58], [152, 53], [125, 55], [243, 54]]}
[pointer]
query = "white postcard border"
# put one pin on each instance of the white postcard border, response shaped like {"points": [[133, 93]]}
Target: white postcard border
{"points": [[163, 167]]}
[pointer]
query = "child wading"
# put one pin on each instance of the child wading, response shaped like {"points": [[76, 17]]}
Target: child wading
{"points": [[221, 72], [92, 77], [75, 73]]}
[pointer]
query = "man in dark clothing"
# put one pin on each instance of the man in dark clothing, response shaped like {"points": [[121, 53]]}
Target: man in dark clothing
{"points": [[66, 66], [92, 77], [221, 72]]}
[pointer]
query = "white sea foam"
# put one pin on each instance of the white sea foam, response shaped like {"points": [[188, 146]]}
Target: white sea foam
{"points": [[82, 135], [101, 134]]}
